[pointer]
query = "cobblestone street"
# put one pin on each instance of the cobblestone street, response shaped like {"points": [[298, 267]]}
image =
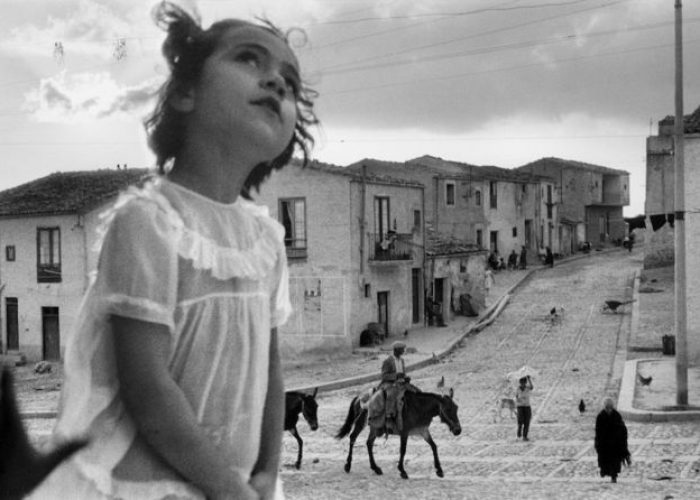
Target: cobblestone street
{"points": [[575, 360]]}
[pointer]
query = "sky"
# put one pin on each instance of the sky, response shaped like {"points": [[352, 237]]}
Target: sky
{"points": [[486, 82]]}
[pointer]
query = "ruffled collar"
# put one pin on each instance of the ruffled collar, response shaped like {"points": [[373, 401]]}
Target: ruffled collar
{"points": [[255, 261]]}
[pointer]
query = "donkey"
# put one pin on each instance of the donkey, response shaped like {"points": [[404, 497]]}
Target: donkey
{"points": [[22, 467], [295, 403], [418, 411]]}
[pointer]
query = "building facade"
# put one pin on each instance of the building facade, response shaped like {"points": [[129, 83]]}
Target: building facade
{"points": [[355, 252], [591, 201], [660, 213], [48, 233]]}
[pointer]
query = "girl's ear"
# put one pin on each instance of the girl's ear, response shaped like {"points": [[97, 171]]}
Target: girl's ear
{"points": [[183, 99]]}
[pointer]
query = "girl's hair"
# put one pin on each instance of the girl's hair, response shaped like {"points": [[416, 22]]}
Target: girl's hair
{"points": [[186, 48]]}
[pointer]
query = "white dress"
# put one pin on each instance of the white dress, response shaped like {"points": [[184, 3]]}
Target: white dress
{"points": [[216, 275]]}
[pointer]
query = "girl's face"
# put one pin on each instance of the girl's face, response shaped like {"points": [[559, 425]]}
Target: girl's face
{"points": [[246, 97]]}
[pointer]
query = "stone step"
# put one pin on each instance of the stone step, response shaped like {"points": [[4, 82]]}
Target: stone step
{"points": [[13, 358]]}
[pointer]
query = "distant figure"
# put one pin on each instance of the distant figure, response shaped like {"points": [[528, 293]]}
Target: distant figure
{"points": [[548, 257], [523, 258], [493, 261], [513, 260], [434, 311], [611, 441], [522, 403], [489, 280]]}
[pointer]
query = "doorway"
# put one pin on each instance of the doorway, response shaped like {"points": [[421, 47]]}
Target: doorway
{"points": [[12, 323], [383, 311], [415, 293], [50, 333]]}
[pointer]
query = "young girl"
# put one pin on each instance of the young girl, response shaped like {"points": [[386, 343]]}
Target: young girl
{"points": [[174, 371]]}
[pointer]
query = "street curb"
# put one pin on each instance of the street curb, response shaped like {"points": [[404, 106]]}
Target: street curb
{"points": [[484, 319], [435, 358], [626, 402]]}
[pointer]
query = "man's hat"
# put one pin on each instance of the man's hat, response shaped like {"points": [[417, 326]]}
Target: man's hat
{"points": [[398, 345]]}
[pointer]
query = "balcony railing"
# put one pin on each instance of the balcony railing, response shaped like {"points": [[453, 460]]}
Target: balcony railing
{"points": [[396, 247], [296, 248]]}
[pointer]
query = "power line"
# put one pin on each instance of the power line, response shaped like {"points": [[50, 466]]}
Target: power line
{"points": [[498, 48], [484, 33], [480, 34], [450, 14], [498, 70]]}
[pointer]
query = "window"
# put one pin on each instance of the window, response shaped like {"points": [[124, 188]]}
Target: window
{"points": [[293, 218], [48, 249], [515, 232], [477, 198], [493, 194], [549, 201], [10, 253], [450, 193], [494, 241], [479, 237], [416, 219], [381, 216]]}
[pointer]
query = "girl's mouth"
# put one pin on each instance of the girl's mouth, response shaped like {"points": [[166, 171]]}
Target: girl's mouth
{"points": [[270, 103]]}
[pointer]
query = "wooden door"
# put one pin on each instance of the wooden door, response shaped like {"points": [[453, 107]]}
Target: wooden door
{"points": [[50, 333], [383, 308], [12, 323], [415, 293]]}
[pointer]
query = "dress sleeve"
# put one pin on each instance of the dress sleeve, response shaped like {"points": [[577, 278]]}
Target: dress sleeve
{"points": [[137, 269], [280, 306]]}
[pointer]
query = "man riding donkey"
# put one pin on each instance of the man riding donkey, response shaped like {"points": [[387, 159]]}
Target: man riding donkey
{"points": [[386, 403]]}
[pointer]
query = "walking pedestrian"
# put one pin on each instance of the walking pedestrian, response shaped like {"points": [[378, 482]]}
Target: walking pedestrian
{"points": [[611, 441], [523, 258], [522, 404], [489, 280], [512, 260], [548, 257], [174, 369]]}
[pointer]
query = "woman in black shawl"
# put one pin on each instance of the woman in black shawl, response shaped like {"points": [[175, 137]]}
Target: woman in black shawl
{"points": [[611, 441]]}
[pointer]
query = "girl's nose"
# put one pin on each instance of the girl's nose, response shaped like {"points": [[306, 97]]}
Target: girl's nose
{"points": [[275, 82]]}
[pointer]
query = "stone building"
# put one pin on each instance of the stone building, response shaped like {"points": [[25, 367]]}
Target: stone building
{"points": [[590, 203], [355, 247], [660, 213], [48, 233]]}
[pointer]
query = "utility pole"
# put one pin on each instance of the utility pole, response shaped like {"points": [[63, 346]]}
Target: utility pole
{"points": [[681, 326]]}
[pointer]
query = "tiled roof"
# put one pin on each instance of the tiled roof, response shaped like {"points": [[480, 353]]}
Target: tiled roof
{"points": [[477, 172], [561, 163], [355, 171], [691, 122], [437, 245], [67, 192]]}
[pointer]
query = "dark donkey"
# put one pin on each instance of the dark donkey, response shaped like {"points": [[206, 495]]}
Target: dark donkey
{"points": [[22, 467], [294, 404], [418, 411]]}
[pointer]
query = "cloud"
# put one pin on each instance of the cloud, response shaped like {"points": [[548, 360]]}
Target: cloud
{"points": [[74, 98]]}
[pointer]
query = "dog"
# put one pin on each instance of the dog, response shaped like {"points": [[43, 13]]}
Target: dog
{"points": [[508, 403]]}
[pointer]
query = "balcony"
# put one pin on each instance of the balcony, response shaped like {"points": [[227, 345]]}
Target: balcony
{"points": [[296, 248], [391, 248]]}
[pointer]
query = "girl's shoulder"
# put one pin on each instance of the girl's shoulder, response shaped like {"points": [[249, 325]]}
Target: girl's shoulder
{"points": [[136, 206]]}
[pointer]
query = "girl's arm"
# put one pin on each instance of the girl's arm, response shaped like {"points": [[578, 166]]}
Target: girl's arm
{"points": [[163, 416], [266, 469]]}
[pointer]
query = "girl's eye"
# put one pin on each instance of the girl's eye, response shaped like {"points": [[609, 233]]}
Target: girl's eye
{"points": [[250, 58]]}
